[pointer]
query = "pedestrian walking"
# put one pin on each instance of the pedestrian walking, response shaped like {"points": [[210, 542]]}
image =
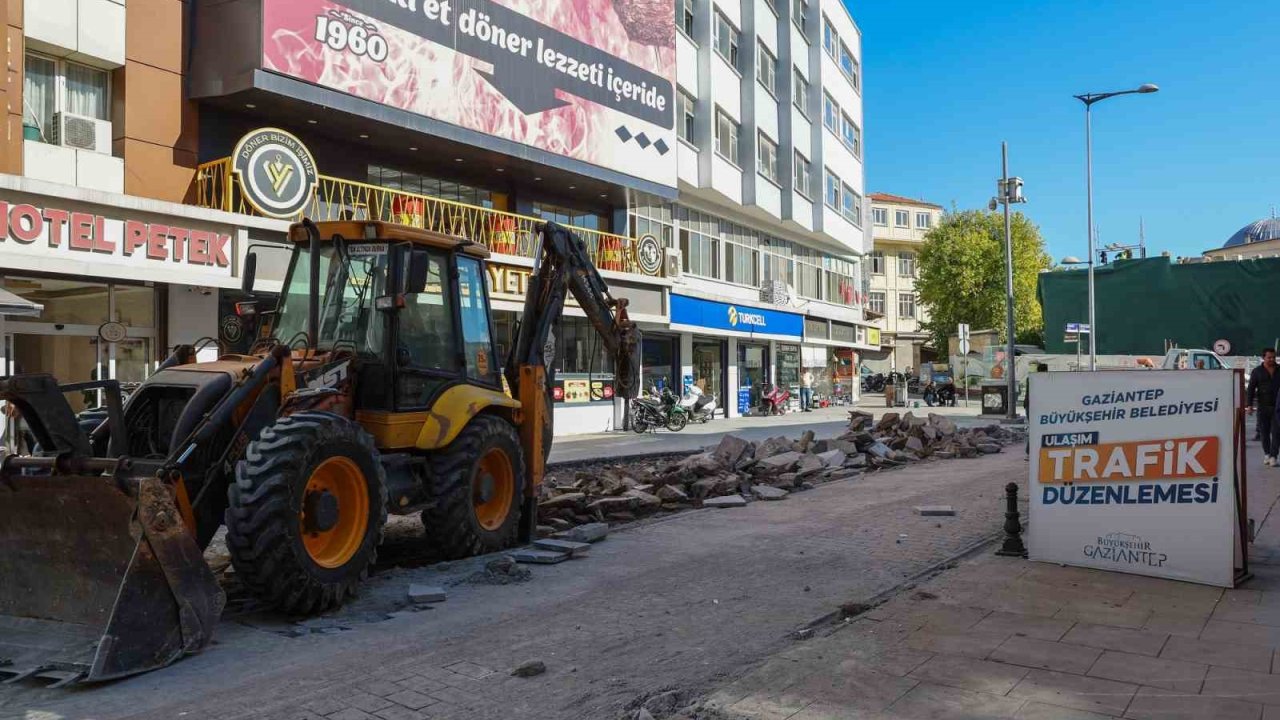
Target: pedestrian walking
{"points": [[1261, 398], [806, 390]]}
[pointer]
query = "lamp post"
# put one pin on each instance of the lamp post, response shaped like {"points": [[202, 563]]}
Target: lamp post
{"points": [[1009, 191], [1089, 99]]}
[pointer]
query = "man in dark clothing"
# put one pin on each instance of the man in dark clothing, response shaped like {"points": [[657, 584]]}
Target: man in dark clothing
{"points": [[1264, 383]]}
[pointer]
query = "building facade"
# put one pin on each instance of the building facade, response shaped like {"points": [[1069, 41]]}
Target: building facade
{"points": [[719, 193], [899, 225]]}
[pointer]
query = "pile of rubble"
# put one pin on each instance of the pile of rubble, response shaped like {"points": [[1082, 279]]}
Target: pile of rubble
{"points": [[737, 471]]}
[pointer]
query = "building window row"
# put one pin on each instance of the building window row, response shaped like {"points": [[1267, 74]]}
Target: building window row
{"points": [[906, 304], [841, 125], [906, 263], [901, 218], [843, 199], [840, 54]]}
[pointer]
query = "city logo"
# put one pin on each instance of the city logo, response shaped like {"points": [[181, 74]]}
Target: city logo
{"points": [[276, 172], [1125, 549], [649, 254], [746, 318]]}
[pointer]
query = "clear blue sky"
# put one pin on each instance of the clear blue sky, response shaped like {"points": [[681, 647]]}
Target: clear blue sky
{"points": [[945, 82]]}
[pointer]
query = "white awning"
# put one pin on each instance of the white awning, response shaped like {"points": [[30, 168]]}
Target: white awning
{"points": [[17, 306]]}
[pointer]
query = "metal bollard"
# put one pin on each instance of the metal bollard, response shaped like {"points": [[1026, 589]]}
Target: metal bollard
{"points": [[1012, 546]]}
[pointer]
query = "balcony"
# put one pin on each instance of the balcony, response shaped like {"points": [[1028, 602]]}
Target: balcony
{"points": [[337, 199]]}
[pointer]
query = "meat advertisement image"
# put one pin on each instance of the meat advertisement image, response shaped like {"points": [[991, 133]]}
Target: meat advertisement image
{"points": [[591, 80]]}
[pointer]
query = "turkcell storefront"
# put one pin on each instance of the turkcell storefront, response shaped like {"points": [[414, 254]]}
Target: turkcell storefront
{"points": [[731, 350]]}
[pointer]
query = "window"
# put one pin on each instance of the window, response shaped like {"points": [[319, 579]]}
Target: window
{"points": [[409, 213], [579, 350], [52, 86], [800, 94], [832, 191], [684, 12], [906, 305], [684, 114], [901, 218], [880, 216], [803, 176], [767, 157], [830, 114], [727, 137], [767, 71], [851, 205], [570, 216], [829, 37], [877, 262], [476, 338], [851, 134], [907, 264], [849, 66], [924, 220], [653, 216], [801, 12], [427, 350], [727, 38], [699, 243], [741, 261], [875, 302], [773, 5]]}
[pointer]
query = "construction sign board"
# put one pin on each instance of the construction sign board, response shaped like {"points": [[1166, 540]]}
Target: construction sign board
{"points": [[1136, 472]]}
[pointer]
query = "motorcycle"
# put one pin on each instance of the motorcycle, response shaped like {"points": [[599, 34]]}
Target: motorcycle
{"points": [[700, 406], [940, 393], [658, 409], [773, 399], [873, 383]]}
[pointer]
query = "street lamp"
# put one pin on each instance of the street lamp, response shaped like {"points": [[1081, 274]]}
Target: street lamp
{"points": [[1009, 191], [1089, 99]]}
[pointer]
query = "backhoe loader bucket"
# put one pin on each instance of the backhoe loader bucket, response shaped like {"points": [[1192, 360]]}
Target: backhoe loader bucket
{"points": [[99, 576]]}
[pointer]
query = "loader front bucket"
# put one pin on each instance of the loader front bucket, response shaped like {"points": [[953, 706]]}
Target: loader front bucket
{"points": [[99, 577]]}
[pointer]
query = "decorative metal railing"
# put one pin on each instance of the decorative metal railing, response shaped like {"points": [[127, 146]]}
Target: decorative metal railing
{"points": [[339, 199]]}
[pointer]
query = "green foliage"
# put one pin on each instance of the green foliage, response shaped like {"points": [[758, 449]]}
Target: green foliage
{"points": [[962, 271]]}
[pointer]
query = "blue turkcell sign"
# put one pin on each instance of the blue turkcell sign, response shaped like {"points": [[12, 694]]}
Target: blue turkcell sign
{"points": [[715, 315]]}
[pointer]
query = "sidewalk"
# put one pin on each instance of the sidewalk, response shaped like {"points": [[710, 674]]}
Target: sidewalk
{"points": [[825, 422], [1008, 638]]}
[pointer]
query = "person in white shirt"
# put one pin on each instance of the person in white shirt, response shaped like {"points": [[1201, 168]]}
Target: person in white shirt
{"points": [[806, 391]]}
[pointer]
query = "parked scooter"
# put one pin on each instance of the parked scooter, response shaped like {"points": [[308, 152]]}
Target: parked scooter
{"points": [[700, 406], [658, 409], [873, 383], [773, 399]]}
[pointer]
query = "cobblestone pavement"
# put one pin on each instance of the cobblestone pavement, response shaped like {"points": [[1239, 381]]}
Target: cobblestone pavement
{"points": [[689, 602]]}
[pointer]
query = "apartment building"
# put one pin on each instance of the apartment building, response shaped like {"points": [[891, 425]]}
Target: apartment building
{"points": [[898, 225]]}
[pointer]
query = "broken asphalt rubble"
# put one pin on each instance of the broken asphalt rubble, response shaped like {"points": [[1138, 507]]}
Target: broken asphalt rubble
{"points": [[737, 471]]}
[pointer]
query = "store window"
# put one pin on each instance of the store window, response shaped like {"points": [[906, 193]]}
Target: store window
{"points": [[419, 184], [708, 368], [658, 363], [584, 368], [570, 216], [752, 362], [788, 371], [52, 86]]}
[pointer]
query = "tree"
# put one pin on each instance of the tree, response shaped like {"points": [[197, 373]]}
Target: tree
{"points": [[962, 271]]}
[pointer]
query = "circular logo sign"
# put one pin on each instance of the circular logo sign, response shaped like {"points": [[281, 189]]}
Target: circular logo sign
{"points": [[649, 254], [276, 172], [112, 332], [1222, 347], [733, 316], [231, 329]]}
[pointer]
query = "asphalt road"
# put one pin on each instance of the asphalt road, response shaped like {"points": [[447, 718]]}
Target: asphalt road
{"points": [[684, 603]]}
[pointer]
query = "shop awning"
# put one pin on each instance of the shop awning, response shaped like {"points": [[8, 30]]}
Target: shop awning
{"points": [[18, 306]]}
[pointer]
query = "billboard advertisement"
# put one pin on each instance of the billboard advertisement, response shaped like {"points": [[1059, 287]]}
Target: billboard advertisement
{"points": [[591, 80], [1134, 471]]}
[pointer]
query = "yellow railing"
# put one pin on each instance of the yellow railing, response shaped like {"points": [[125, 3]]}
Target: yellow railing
{"points": [[338, 199]]}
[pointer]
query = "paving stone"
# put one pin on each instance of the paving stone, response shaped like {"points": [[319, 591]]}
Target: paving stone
{"points": [[539, 557], [1033, 653], [1141, 642], [1245, 657], [1175, 623], [1041, 628], [588, 533], [396, 712], [426, 594], [1135, 618], [470, 670], [411, 699], [366, 701], [945, 617], [1242, 684], [323, 705], [1144, 670], [935, 510], [1107, 697], [969, 644], [768, 492], [970, 674], [1237, 632], [1160, 704], [351, 714], [726, 501], [419, 683], [1044, 711], [936, 701], [574, 549], [860, 691]]}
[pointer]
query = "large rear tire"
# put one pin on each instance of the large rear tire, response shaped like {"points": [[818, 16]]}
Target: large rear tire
{"points": [[477, 488], [306, 512]]}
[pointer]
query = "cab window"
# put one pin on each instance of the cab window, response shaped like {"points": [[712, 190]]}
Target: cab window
{"points": [[426, 348], [473, 306]]}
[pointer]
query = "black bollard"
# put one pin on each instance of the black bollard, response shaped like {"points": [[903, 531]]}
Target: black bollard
{"points": [[1013, 546]]}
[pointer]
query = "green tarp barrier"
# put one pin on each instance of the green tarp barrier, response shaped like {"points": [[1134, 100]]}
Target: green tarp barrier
{"points": [[1141, 304]]}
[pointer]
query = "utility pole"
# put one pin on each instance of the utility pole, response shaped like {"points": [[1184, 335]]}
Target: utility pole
{"points": [[1009, 191]]}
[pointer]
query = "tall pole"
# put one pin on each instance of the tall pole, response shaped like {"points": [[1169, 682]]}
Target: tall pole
{"points": [[1011, 405], [1088, 163]]}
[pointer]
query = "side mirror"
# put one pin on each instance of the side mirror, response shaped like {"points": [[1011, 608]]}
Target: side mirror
{"points": [[416, 278], [248, 273]]}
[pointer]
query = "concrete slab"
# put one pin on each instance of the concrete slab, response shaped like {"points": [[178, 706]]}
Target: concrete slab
{"points": [[1244, 657], [1242, 684], [1141, 642], [1045, 655], [1107, 697], [1034, 626], [936, 701], [422, 594], [970, 674], [574, 549], [1044, 711], [1160, 704], [935, 510], [539, 557], [969, 644], [726, 501], [1143, 670]]}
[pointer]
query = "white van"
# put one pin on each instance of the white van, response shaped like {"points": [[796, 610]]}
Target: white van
{"points": [[1191, 359]]}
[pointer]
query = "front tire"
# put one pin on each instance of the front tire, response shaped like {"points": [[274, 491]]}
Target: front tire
{"points": [[677, 422], [306, 512], [477, 488]]}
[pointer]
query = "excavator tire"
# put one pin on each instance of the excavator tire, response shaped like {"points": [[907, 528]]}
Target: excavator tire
{"points": [[306, 512], [477, 484]]}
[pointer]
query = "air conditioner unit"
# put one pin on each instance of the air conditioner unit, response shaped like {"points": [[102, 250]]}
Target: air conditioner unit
{"points": [[674, 264], [81, 132]]}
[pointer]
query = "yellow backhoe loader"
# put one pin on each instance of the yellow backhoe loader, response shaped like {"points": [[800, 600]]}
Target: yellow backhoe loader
{"points": [[374, 389]]}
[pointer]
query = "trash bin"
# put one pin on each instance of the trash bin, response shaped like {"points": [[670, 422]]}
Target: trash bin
{"points": [[995, 398], [888, 396]]}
